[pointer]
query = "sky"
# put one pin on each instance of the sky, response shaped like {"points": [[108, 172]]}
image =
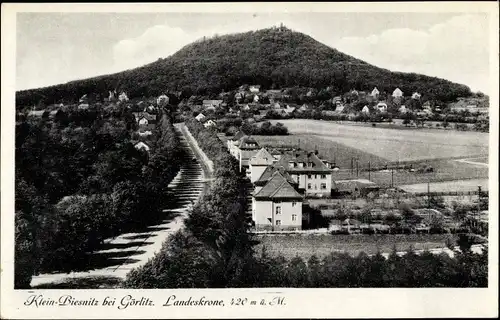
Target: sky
{"points": [[53, 48]]}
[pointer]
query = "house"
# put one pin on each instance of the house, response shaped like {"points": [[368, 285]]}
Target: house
{"points": [[112, 95], [277, 205], [150, 109], [256, 98], [354, 187], [416, 95], [303, 108], [254, 88], [382, 107], [201, 117], [375, 93], [397, 93], [337, 100], [36, 113], [276, 105], [310, 173], [143, 121], [365, 110], [210, 123], [83, 106], [146, 133], [246, 149], [84, 99], [233, 142], [162, 100], [258, 164], [339, 109], [123, 97], [289, 110], [212, 103], [142, 146], [402, 109]]}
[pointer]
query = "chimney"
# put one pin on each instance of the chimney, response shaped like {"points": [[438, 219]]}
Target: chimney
{"points": [[316, 152]]}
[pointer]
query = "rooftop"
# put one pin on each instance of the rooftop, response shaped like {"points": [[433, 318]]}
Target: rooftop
{"points": [[277, 188]]}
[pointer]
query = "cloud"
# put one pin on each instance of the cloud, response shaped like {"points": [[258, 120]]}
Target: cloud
{"points": [[456, 49], [156, 42]]}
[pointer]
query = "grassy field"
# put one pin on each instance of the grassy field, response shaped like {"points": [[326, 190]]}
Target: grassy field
{"points": [[393, 144], [330, 150], [321, 245], [444, 169]]}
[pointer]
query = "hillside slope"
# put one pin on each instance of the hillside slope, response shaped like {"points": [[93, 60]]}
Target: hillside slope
{"points": [[274, 58]]}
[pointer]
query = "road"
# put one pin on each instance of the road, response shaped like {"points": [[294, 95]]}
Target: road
{"points": [[121, 254]]}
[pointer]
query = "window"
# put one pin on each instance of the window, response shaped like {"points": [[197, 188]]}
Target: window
{"points": [[294, 203], [310, 164], [309, 176], [301, 165], [291, 164], [323, 176], [294, 217], [278, 222], [309, 186], [278, 209], [323, 186]]}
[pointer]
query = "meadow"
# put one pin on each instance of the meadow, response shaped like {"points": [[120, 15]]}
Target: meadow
{"points": [[304, 246], [341, 155], [395, 145]]}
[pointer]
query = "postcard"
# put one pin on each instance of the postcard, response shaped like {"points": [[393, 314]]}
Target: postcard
{"points": [[249, 160]]}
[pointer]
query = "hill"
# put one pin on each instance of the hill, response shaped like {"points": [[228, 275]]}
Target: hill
{"points": [[273, 58]]}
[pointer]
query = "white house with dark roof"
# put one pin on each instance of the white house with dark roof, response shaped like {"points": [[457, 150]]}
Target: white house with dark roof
{"points": [[142, 146], [416, 95], [254, 88], [375, 93], [382, 107], [365, 110], [277, 205], [259, 162], [312, 175], [200, 117], [245, 150], [233, 142], [397, 93]]}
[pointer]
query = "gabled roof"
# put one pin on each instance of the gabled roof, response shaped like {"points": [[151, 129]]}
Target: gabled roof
{"points": [[248, 142], [277, 188], [270, 171], [263, 157], [304, 157]]}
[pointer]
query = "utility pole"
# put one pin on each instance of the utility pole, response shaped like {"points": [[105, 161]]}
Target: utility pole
{"points": [[392, 177], [369, 171], [352, 165], [357, 168], [428, 195]]}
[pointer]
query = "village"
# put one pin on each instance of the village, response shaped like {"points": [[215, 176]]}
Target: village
{"points": [[293, 189]]}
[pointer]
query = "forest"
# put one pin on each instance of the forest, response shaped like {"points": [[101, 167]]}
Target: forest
{"points": [[274, 58], [80, 180]]}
